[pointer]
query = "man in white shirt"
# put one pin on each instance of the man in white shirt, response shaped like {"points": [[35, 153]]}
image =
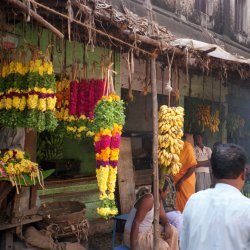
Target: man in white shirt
{"points": [[202, 171], [219, 218]]}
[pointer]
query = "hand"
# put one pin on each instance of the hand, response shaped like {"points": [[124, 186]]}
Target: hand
{"points": [[178, 185], [168, 232]]}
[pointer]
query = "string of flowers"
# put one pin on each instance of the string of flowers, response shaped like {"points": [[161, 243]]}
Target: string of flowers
{"points": [[15, 164], [109, 119], [75, 127], [27, 95], [75, 106]]}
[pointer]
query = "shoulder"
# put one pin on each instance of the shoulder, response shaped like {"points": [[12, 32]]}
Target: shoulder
{"points": [[197, 197], [145, 201], [208, 148], [189, 146]]}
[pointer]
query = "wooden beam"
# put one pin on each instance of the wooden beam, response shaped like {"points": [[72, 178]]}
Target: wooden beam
{"points": [[85, 25], [37, 17], [144, 39]]}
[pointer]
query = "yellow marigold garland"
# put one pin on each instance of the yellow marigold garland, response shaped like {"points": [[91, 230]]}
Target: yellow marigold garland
{"points": [[27, 95]]}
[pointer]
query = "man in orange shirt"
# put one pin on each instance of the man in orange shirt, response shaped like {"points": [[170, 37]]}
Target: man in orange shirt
{"points": [[185, 179]]}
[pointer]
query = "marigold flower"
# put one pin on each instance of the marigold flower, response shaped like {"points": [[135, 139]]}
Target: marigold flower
{"points": [[32, 101], [41, 104], [8, 103]]}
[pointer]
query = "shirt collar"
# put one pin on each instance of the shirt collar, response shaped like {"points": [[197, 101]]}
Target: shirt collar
{"points": [[226, 186]]}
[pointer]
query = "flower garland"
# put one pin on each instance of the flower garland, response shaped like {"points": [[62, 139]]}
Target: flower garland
{"points": [[75, 127], [14, 164], [75, 106], [27, 95], [109, 119]]}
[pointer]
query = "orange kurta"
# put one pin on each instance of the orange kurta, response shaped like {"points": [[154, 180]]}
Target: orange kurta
{"points": [[187, 188]]}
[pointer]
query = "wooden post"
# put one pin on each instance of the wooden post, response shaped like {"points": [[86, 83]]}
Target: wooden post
{"points": [[155, 132], [155, 154], [126, 179]]}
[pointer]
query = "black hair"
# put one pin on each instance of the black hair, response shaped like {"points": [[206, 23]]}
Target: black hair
{"points": [[216, 144], [196, 136], [228, 161]]}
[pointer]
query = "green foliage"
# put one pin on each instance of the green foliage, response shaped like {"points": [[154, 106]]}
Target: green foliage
{"points": [[108, 113], [38, 120], [44, 81]]}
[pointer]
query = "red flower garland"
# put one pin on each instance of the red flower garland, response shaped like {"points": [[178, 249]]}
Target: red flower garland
{"points": [[74, 85]]}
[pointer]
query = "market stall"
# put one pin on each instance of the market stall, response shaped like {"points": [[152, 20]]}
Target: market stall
{"points": [[63, 82]]}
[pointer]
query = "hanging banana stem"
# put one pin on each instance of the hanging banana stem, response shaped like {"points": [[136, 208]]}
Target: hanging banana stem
{"points": [[109, 80], [130, 62], [48, 52], [71, 16]]}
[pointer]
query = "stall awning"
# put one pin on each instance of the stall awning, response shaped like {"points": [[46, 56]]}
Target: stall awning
{"points": [[216, 51]]}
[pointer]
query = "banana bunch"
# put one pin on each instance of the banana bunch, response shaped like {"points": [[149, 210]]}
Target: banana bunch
{"points": [[215, 122], [49, 146], [170, 125], [206, 119], [203, 115]]}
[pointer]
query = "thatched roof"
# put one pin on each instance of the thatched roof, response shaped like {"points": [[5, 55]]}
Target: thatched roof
{"points": [[124, 29]]}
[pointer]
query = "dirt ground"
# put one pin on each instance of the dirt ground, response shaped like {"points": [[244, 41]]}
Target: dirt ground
{"points": [[96, 242], [100, 242]]}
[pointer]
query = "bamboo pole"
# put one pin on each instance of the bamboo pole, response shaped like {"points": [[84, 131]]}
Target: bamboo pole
{"points": [[37, 17], [155, 154], [155, 134]]}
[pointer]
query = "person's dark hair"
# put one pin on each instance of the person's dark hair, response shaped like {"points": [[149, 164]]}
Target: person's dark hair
{"points": [[228, 161], [196, 136], [216, 144]]}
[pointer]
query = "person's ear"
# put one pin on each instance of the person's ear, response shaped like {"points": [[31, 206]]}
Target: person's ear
{"points": [[243, 175]]}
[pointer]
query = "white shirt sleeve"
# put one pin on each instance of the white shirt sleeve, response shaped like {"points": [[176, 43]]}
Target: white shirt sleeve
{"points": [[209, 150]]}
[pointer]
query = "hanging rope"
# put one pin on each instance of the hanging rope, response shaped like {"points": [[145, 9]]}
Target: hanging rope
{"points": [[168, 87]]}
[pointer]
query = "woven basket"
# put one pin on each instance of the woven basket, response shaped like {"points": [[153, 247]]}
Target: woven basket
{"points": [[65, 213]]}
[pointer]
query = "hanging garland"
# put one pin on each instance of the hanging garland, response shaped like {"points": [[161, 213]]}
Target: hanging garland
{"points": [[15, 164], [109, 120], [27, 95], [75, 108]]}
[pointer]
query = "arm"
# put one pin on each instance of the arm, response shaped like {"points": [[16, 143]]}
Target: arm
{"points": [[189, 172], [142, 208], [164, 222], [203, 163]]}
